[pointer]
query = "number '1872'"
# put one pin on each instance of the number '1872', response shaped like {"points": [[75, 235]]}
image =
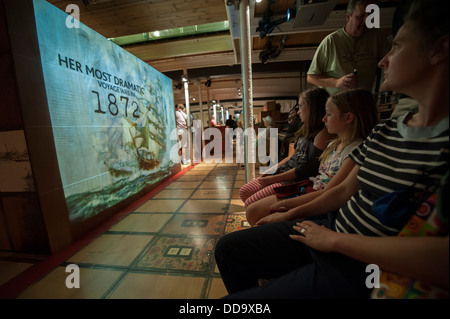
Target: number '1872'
{"points": [[113, 105]]}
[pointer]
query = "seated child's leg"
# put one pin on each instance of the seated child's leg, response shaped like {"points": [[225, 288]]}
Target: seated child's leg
{"points": [[249, 189], [260, 194]]}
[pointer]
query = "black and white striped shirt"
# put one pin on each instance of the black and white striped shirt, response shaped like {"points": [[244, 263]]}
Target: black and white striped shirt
{"points": [[392, 158]]}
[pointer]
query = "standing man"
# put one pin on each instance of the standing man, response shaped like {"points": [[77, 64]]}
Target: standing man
{"points": [[230, 122], [182, 126], [348, 57]]}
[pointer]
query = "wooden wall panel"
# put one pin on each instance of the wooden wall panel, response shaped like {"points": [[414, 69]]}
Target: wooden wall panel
{"points": [[24, 222], [4, 238], [10, 117], [21, 224]]}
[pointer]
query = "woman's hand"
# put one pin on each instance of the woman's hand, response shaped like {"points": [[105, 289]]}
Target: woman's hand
{"points": [[273, 218], [315, 236]]}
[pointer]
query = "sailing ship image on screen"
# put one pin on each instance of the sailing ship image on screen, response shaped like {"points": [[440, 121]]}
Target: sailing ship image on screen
{"points": [[111, 115]]}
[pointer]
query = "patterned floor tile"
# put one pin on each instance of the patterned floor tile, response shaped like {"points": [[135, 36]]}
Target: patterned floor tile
{"points": [[194, 224], [192, 253], [235, 223]]}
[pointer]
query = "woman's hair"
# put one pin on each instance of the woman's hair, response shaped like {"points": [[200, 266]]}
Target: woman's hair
{"points": [[316, 99], [362, 104], [399, 16], [429, 18]]}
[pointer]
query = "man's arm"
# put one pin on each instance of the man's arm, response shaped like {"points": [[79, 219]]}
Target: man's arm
{"points": [[345, 82]]}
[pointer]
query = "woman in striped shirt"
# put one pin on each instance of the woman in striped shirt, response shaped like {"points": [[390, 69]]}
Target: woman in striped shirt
{"points": [[310, 261]]}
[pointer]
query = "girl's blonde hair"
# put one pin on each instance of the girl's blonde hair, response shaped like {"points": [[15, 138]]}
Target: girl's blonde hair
{"points": [[316, 99], [362, 104]]}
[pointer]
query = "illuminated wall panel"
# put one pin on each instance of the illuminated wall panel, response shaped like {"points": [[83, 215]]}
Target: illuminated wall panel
{"points": [[111, 115]]}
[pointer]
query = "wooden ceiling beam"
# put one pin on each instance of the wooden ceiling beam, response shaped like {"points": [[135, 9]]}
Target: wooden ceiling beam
{"points": [[125, 17], [179, 48]]}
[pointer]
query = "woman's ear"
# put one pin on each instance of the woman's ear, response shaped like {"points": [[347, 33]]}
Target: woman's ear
{"points": [[440, 50]]}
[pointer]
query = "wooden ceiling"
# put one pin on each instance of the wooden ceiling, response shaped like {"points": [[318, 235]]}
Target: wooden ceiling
{"points": [[215, 56]]}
